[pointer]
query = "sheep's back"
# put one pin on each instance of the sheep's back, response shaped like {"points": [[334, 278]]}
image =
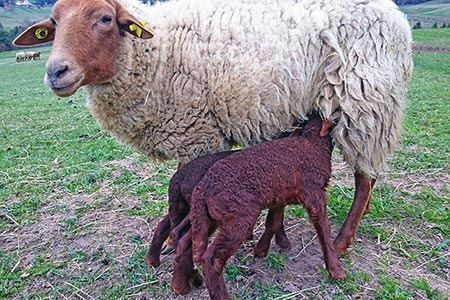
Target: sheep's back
{"points": [[275, 173], [242, 72]]}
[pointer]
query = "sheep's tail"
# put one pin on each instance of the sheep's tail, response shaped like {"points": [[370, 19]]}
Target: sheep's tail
{"points": [[200, 223]]}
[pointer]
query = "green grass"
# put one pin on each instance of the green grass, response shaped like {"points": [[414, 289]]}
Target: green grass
{"points": [[57, 166], [436, 37]]}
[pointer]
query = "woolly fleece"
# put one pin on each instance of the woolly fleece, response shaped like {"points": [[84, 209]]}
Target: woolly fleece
{"points": [[219, 73]]}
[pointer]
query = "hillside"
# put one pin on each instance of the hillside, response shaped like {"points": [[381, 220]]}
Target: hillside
{"points": [[15, 15], [428, 13]]}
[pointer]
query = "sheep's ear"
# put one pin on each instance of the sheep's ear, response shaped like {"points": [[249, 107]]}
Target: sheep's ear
{"points": [[39, 33], [326, 127], [130, 24]]}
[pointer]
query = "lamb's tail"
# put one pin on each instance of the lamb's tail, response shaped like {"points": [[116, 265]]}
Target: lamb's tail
{"points": [[200, 223]]}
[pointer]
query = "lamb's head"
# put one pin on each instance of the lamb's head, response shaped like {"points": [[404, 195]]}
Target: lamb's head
{"points": [[85, 35], [316, 128]]}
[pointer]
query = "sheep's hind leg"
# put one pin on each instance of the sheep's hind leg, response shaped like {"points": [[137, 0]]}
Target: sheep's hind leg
{"points": [[280, 236], [274, 224], [183, 267], [160, 235], [180, 230], [360, 205], [372, 184], [224, 245]]}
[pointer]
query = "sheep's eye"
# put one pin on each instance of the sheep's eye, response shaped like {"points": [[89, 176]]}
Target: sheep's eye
{"points": [[53, 21], [106, 19]]}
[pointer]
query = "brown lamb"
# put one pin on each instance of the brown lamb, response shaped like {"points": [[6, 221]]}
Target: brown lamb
{"points": [[233, 192], [176, 223]]}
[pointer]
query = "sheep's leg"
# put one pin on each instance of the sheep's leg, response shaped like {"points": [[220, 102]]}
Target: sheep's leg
{"points": [[317, 210], [180, 230], [361, 203], [280, 235], [372, 184], [224, 245], [274, 222], [183, 268], [160, 235], [178, 210]]}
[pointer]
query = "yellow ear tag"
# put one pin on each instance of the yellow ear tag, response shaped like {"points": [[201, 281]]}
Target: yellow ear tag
{"points": [[41, 33], [137, 29]]}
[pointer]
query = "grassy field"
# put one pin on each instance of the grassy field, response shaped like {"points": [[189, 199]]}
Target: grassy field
{"points": [[14, 16], [434, 37], [77, 209]]}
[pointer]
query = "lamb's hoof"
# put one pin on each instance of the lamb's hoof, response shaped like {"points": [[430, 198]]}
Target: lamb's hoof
{"points": [[152, 261], [167, 249], [337, 274], [182, 288], [340, 245], [283, 242], [197, 280], [260, 253]]}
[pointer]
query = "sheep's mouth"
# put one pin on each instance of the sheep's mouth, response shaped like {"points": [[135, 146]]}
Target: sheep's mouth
{"points": [[64, 89]]}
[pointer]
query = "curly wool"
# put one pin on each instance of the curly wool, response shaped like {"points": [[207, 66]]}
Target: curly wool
{"points": [[219, 73]]}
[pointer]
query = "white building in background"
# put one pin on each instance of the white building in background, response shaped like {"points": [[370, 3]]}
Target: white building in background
{"points": [[23, 3]]}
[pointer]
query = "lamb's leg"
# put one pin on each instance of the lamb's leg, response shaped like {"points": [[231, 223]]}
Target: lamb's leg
{"points": [[274, 222], [183, 267], [161, 233], [280, 236], [317, 210], [178, 211], [180, 230], [361, 203], [225, 244]]}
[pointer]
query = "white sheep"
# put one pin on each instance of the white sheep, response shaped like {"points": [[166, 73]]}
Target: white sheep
{"points": [[209, 74], [20, 56]]}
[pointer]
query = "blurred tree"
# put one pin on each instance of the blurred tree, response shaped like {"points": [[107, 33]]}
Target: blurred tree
{"points": [[418, 25]]}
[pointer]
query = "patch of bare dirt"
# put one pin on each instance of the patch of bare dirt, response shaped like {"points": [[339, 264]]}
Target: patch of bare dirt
{"points": [[431, 49]]}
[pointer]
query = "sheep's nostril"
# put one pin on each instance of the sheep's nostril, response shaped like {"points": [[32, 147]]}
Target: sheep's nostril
{"points": [[55, 71]]}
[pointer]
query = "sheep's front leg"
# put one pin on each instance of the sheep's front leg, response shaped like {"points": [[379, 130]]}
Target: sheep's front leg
{"points": [[159, 236], [317, 210], [183, 267], [360, 205]]}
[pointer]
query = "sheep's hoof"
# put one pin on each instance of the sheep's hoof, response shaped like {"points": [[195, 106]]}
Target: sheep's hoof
{"points": [[182, 289], [197, 280], [167, 249], [260, 253], [338, 274], [341, 245], [283, 242], [152, 261]]}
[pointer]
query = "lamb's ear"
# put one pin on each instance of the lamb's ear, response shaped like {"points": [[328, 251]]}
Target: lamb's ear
{"points": [[326, 127], [130, 24], [39, 33]]}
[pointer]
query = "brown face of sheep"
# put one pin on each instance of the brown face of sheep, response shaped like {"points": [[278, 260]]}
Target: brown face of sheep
{"points": [[85, 37]]}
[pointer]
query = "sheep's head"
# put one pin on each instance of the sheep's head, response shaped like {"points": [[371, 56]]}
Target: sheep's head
{"points": [[85, 37]]}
